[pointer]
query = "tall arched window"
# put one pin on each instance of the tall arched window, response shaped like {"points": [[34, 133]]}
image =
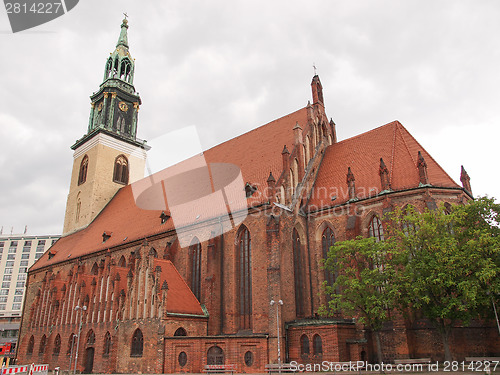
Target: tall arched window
{"points": [[245, 278], [57, 345], [375, 229], [82, 176], [317, 345], [31, 345], [327, 240], [298, 274], [122, 262], [43, 345], [71, 343], [107, 344], [137, 344], [120, 173], [304, 345], [195, 259]]}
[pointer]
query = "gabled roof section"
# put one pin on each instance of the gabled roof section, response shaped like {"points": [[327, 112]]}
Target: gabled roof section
{"points": [[180, 298], [256, 153], [362, 154]]}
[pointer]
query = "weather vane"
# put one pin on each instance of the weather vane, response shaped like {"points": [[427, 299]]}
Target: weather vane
{"points": [[126, 15], [314, 67]]}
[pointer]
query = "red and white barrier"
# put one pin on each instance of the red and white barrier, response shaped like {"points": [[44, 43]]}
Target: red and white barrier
{"points": [[26, 369]]}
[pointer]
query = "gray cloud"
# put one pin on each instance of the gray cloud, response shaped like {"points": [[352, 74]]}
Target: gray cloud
{"points": [[230, 66]]}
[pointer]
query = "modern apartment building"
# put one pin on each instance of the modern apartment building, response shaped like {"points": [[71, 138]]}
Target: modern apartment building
{"points": [[17, 255]]}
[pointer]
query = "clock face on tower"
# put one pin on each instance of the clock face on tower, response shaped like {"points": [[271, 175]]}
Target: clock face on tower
{"points": [[123, 106]]}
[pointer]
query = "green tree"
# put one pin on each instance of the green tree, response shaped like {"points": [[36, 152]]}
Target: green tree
{"points": [[447, 262], [363, 288]]}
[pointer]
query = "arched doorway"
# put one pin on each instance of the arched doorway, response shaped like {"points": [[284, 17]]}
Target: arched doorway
{"points": [[89, 360], [215, 356]]}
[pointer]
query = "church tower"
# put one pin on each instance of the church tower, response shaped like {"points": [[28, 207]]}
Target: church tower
{"points": [[109, 156]]}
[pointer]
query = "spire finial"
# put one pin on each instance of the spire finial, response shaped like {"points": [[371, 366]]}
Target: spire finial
{"points": [[314, 67], [126, 15]]}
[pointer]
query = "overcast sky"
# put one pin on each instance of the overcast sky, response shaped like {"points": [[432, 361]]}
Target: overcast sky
{"points": [[230, 66]]}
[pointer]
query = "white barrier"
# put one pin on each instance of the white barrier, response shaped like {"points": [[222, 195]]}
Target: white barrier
{"points": [[26, 369]]}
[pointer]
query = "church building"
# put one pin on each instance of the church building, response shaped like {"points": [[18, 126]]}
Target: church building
{"points": [[129, 288]]}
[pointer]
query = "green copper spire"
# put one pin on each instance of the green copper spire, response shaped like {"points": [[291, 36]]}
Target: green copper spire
{"points": [[123, 39], [120, 64]]}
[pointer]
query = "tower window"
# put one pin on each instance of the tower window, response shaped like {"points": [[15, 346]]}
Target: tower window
{"points": [[120, 174], [327, 240], [82, 176]]}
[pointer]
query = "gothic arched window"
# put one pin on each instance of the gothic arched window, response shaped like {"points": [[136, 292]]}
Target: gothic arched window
{"points": [[43, 345], [122, 262], [120, 173], [195, 259], [137, 344], [90, 338], [107, 344], [327, 240], [245, 278], [31, 345], [375, 229], [317, 345], [84, 165], [57, 345], [298, 274], [71, 342], [304, 345]]}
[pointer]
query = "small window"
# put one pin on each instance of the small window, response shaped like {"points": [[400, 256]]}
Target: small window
{"points": [[18, 292], [57, 345], [16, 299], [137, 344], [4, 292], [91, 338], [304, 345], [107, 345], [13, 244], [182, 359], [3, 306], [23, 270], [317, 345], [16, 306], [84, 165], [43, 344], [120, 173], [20, 284], [38, 255], [180, 332], [12, 250], [24, 263], [375, 229], [249, 358], [9, 263], [7, 277], [25, 256], [31, 345], [8, 271], [11, 256], [215, 355], [3, 299], [6, 285]]}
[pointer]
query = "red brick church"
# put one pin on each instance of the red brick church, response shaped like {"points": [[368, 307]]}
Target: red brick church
{"points": [[148, 303]]}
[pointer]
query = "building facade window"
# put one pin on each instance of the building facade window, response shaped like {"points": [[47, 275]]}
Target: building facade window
{"points": [[328, 240], [215, 356], [180, 332], [375, 229], [107, 345], [248, 358], [245, 278], [317, 345], [31, 345], [195, 259], [137, 346], [120, 173], [84, 165], [57, 345], [182, 359], [304, 345], [298, 276], [43, 345]]}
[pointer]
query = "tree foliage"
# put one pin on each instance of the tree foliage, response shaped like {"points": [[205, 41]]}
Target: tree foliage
{"points": [[444, 262]]}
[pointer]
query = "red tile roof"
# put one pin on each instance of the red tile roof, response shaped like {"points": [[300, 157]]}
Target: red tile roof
{"points": [[256, 153], [362, 153]]}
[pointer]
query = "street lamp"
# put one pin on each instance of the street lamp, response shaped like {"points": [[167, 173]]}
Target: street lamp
{"points": [[280, 302], [73, 336], [77, 308]]}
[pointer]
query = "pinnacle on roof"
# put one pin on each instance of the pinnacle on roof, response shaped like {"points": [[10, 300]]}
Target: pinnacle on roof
{"points": [[123, 39]]}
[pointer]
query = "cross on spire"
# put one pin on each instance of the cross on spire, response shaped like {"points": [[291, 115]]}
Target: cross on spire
{"points": [[314, 67], [126, 15]]}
